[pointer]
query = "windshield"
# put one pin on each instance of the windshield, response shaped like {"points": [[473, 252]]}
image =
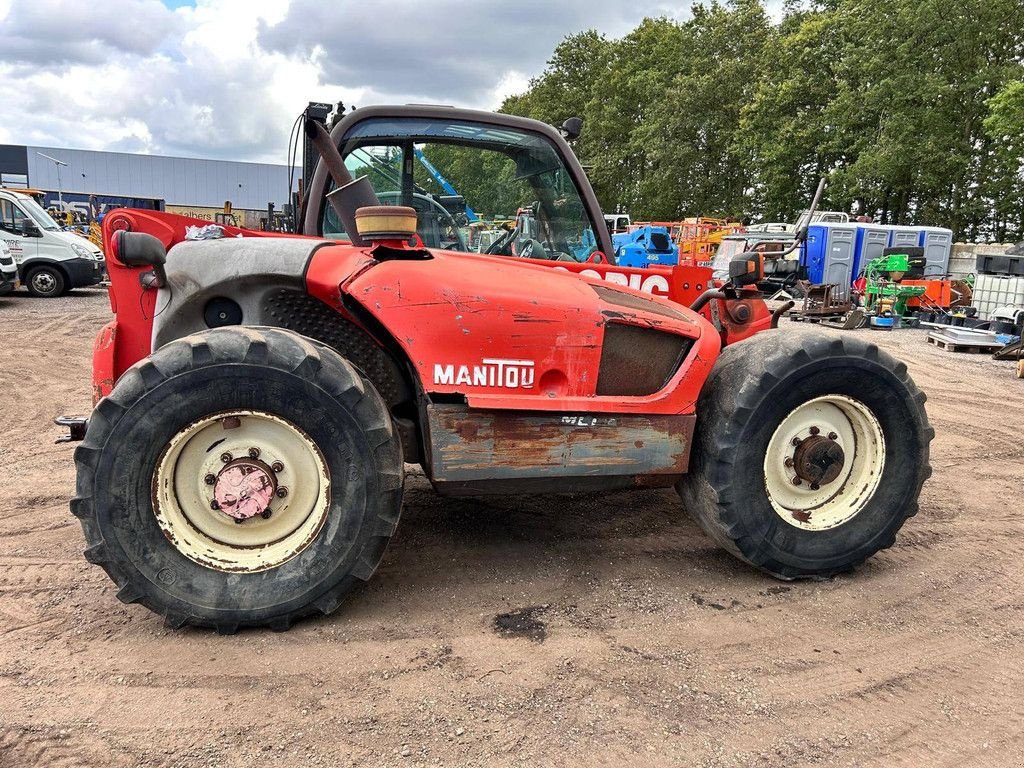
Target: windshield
{"points": [[727, 249], [41, 217], [476, 188]]}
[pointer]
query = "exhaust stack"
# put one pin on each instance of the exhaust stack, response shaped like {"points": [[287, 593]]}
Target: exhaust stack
{"points": [[349, 194]]}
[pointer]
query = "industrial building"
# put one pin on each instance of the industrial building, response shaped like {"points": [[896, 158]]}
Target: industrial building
{"points": [[189, 186]]}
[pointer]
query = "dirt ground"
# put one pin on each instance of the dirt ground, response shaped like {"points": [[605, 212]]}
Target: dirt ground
{"points": [[634, 640]]}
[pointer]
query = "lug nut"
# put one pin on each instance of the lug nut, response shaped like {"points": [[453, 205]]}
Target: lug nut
{"points": [[238, 520], [254, 453], [214, 504], [797, 441], [277, 466], [789, 461], [832, 436], [210, 479], [815, 486], [282, 492], [225, 457], [266, 513], [815, 430], [797, 481]]}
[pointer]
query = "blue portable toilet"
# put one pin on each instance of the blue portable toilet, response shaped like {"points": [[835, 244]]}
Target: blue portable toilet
{"points": [[901, 235], [872, 239], [828, 255], [938, 244]]}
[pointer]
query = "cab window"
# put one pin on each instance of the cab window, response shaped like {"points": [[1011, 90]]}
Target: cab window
{"points": [[13, 218], [475, 187]]}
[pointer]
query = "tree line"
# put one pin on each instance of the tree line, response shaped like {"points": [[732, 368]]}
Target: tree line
{"points": [[913, 109]]}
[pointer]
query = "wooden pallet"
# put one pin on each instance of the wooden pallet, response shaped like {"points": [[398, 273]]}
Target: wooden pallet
{"points": [[950, 346]]}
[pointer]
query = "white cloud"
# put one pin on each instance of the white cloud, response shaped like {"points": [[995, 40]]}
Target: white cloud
{"points": [[227, 77]]}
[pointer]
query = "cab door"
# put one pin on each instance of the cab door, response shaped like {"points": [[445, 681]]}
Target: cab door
{"points": [[12, 227]]}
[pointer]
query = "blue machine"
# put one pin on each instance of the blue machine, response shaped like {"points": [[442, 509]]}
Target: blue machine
{"points": [[645, 246]]}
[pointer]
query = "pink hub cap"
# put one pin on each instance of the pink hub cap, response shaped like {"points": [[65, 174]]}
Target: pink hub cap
{"points": [[244, 489]]}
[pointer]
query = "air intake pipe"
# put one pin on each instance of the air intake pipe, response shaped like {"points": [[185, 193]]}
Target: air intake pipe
{"points": [[349, 194]]}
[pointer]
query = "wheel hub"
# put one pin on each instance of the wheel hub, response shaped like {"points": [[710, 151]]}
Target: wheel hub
{"points": [[217, 478], [819, 460], [244, 489], [824, 462]]}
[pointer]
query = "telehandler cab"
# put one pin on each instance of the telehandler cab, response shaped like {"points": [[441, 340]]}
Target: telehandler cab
{"points": [[257, 396]]}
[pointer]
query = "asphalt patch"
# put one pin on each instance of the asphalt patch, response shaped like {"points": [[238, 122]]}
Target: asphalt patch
{"points": [[524, 623]]}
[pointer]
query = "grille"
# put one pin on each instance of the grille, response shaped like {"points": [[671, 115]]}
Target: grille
{"points": [[638, 361]]}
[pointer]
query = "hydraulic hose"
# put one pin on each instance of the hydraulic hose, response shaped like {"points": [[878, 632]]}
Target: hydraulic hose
{"points": [[704, 298]]}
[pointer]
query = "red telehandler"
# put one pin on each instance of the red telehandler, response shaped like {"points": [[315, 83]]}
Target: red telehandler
{"points": [[258, 395]]}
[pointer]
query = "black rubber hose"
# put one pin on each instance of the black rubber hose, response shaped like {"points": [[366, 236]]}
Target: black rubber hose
{"points": [[704, 298]]}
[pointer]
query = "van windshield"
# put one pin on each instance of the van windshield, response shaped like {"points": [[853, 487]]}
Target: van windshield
{"points": [[41, 217]]}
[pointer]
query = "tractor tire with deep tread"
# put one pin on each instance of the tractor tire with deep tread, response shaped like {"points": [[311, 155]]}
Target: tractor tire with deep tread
{"points": [[753, 390], [300, 383]]}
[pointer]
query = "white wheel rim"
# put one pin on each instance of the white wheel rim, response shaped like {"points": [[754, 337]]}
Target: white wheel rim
{"points": [[219, 446], [820, 425]]}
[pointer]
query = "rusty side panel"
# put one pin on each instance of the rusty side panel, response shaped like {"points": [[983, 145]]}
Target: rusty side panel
{"points": [[468, 445]]}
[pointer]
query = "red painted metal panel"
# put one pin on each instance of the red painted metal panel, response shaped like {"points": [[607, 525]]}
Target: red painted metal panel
{"points": [[504, 333]]}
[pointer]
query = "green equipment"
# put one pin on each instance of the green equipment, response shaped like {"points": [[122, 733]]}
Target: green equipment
{"points": [[885, 299]]}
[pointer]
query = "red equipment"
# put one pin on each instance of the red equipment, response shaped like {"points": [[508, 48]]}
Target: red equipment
{"points": [[259, 395]]}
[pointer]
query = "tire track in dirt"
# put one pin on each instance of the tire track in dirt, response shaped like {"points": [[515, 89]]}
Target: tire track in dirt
{"points": [[659, 648]]}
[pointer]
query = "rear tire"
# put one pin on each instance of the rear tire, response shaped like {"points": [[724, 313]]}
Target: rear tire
{"points": [[872, 434], [315, 432]]}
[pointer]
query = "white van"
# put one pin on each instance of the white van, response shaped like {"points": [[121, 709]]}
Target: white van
{"points": [[50, 261]]}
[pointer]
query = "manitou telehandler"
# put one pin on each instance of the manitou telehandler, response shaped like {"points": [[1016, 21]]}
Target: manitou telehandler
{"points": [[258, 395]]}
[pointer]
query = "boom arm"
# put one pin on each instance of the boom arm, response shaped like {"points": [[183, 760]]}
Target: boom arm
{"points": [[440, 179]]}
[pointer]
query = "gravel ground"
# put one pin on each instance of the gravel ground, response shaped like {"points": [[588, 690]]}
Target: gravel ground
{"points": [[591, 629]]}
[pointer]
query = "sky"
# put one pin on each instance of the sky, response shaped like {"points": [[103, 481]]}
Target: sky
{"points": [[226, 78]]}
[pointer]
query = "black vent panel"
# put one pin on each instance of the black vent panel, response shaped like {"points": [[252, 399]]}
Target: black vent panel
{"points": [[310, 317], [637, 361]]}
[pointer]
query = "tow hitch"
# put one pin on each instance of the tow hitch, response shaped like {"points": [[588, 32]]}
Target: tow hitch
{"points": [[75, 426]]}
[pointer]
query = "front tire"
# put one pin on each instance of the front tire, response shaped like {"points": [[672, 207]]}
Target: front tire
{"points": [[239, 477], [810, 451], [45, 282]]}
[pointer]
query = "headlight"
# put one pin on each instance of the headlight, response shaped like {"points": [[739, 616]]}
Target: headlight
{"points": [[81, 251]]}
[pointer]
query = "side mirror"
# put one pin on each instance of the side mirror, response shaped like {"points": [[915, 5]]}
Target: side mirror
{"points": [[747, 269], [30, 229], [571, 128], [137, 249]]}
